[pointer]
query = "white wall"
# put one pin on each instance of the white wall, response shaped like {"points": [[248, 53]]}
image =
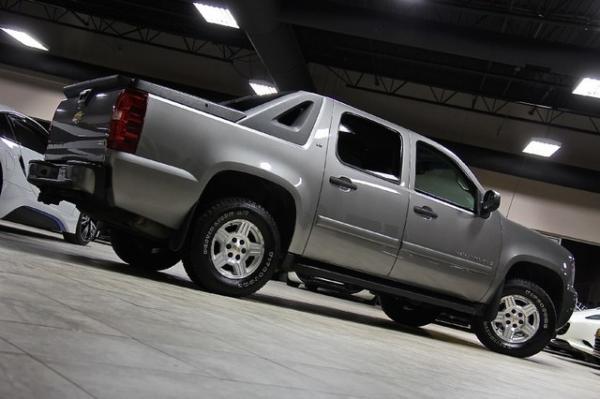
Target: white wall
{"points": [[553, 209], [32, 94]]}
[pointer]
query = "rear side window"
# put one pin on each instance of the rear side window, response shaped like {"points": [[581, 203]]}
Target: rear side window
{"points": [[369, 146], [292, 119], [29, 135], [439, 177]]}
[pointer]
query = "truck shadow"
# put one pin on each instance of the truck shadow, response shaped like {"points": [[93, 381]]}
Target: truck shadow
{"points": [[340, 314], [74, 255]]}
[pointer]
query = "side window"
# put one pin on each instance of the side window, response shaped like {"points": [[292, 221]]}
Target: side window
{"points": [[5, 131], [29, 135], [370, 146], [438, 176]]}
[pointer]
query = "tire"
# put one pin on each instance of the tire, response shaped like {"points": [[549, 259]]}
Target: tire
{"points": [[234, 248], [404, 312], [141, 253], [86, 231], [526, 297]]}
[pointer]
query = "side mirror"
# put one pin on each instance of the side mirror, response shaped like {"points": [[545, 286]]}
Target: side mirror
{"points": [[490, 203]]}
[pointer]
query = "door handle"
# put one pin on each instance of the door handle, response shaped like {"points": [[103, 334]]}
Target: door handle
{"points": [[343, 183], [425, 211]]}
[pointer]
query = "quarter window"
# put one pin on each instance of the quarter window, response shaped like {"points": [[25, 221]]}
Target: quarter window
{"points": [[29, 135], [370, 146], [5, 131], [438, 176]]}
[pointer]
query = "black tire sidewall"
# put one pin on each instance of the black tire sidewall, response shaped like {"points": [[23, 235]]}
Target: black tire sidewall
{"points": [[136, 252], [483, 328], [199, 263]]}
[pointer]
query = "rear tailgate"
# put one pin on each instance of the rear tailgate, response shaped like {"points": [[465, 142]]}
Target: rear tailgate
{"points": [[81, 123]]}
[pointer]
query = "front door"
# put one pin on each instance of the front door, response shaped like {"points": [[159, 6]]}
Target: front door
{"points": [[447, 246], [33, 141], [362, 209]]}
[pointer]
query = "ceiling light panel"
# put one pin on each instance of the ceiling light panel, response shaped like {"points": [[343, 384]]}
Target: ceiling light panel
{"points": [[588, 87], [25, 38], [262, 88], [542, 147], [217, 15]]}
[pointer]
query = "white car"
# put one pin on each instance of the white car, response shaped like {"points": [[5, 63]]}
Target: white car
{"points": [[22, 140], [581, 331]]}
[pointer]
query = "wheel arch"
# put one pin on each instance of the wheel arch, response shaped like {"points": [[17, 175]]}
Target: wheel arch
{"points": [[277, 199], [548, 279]]}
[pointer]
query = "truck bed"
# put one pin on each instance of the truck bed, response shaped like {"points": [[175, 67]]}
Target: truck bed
{"points": [[82, 121]]}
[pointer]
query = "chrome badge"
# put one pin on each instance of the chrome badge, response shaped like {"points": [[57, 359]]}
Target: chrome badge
{"points": [[78, 117]]}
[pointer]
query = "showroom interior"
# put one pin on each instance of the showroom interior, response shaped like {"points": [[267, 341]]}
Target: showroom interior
{"points": [[511, 87]]}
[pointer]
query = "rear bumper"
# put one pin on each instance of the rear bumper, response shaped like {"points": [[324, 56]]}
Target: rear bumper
{"points": [[124, 184], [76, 177]]}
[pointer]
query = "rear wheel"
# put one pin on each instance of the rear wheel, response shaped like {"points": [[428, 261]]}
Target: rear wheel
{"points": [[234, 248], [85, 232], [405, 312], [142, 253], [525, 322]]}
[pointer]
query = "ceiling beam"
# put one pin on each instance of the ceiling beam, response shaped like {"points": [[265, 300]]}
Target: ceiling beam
{"points": [[464, 42], [274, 42]]}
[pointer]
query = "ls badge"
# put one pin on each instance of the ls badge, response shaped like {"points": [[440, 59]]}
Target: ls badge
{"points": [[78, 117]]}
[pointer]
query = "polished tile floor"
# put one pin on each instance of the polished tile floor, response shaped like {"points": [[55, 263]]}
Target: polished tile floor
{"points": [[77, 323]]}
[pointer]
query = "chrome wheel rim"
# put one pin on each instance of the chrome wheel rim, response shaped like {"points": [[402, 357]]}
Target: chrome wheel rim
{"points": [[517, 321], [237, 249], [87, 228]]}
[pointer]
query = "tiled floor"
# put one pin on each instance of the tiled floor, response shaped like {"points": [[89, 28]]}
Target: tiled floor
{"points": [[75, 322]]}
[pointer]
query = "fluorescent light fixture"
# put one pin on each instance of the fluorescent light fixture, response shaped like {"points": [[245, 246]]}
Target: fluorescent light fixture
{"points": [[217, 15], [542, 147], [588, 87], [262, 88], [25, 38]]}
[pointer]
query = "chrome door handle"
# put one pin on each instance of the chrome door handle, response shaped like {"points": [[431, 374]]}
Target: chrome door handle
{"points": [[343, 183], [425, 211]]}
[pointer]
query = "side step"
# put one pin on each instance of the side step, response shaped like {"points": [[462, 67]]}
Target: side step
{"points": [[381, 285]]}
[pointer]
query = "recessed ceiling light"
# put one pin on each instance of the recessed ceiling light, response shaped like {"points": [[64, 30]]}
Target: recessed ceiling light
{"points": [[588, 87], [25, 38], [262, 88], [542, 147], [217, 15]]}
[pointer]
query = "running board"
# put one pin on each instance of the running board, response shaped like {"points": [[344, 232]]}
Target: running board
{"points": [[381, 285]]}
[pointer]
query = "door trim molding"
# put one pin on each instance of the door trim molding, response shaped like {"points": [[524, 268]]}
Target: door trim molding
{"points": [[359, 232], [443, 258]]}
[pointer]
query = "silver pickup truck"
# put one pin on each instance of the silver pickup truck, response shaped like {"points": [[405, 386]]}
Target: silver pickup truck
{"points": [[299, 181]]}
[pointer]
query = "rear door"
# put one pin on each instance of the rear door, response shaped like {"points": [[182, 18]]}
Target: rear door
{"points": [[362, 209], [447, 246]]}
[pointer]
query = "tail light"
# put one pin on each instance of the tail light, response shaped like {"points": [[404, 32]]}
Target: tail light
{"points": [[128, 120]]}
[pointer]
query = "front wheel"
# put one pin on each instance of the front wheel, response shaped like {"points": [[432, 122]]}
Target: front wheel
{"points": [[234, 248], [405, 312], [86, 231], [525, 322], [141, 253]]}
